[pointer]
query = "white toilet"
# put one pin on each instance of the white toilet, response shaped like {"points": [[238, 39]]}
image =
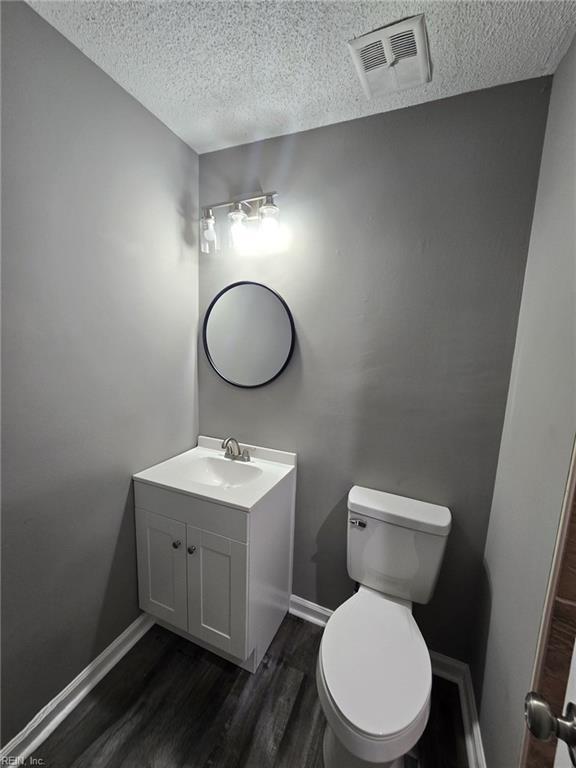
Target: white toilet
{"points": [[374, 675]]}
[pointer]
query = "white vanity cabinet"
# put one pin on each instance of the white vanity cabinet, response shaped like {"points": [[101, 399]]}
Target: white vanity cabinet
{"points": [[193, 579], [218, 574]]}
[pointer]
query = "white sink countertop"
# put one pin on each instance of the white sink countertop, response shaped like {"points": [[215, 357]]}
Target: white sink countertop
{"points": [[205, 473]]}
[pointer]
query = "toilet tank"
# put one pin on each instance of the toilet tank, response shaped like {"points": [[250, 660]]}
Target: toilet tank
{"points": [[395, 544]]}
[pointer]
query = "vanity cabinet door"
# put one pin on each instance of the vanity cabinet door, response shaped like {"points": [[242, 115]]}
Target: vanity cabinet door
{"points": [[161, 547], [217, 596]]}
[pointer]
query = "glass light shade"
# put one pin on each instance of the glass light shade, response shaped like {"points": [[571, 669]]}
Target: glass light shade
{"points": [[239, 235], [268, 207], [237, 215], [269, 233], [209, 239]]}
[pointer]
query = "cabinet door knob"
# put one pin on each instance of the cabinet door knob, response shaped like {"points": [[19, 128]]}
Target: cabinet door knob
{"points": [[176, 544], [191, 550]]}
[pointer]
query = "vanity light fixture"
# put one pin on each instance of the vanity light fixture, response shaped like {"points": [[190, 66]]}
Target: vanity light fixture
{"points": [[254, 225]]}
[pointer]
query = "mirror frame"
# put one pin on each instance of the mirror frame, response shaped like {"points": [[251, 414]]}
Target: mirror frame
{"points": [[205, 340]]}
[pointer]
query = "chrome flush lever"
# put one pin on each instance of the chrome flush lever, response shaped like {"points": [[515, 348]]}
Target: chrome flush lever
{"points": [[543, 725], [357, 523]]}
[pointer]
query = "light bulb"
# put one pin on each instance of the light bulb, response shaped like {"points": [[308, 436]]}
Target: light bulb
{"points": [[209, 240], [269, 226], [238, 230], [274, 237], [269, 232], [210, 232], [239, 234]]}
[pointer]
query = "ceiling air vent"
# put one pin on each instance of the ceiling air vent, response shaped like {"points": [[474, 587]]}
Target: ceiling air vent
{"points": [[373, 55], [392, 58]]}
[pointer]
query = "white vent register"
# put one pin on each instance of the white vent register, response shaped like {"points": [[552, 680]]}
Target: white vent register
{"points": [[392, 58]]}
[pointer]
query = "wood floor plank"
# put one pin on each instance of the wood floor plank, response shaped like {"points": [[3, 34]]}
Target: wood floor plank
{"points": [[297, 643], [154, 723], [270, 726], [106, 703], [302, 742], [251, 727]]}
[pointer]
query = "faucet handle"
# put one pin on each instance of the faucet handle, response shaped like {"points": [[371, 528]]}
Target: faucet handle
{"points": [[245, 455]]}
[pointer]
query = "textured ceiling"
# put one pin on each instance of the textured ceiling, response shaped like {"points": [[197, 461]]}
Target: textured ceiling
{"points": [[226, 72]]}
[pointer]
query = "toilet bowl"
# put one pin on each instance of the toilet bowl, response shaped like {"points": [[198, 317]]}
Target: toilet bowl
{"points": [[373, 673], [374, 680]]}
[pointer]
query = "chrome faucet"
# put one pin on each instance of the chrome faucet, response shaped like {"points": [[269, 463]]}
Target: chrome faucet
{"points": [[233, 450]]}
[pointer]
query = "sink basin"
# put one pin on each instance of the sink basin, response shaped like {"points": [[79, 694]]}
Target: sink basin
{"points": [[203, 472], [214, 471]]}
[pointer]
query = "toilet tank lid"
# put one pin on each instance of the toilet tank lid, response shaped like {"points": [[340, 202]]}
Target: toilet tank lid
{"points": [[399, 510]]}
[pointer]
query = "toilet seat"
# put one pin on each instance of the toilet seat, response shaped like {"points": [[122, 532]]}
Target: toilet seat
{"points": [[374, 676]]}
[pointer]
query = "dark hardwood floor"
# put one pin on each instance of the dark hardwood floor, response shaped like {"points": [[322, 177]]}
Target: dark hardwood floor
{"points": [[170, 704]]}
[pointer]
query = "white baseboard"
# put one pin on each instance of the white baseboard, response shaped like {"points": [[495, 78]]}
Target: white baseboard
{"points": [[458, 672], [50, 716], [442, 666], [308, 611]]}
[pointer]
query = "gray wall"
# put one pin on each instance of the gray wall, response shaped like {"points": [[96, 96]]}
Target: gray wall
{"points": [[538, 435], [99, 321], [410, 238]]}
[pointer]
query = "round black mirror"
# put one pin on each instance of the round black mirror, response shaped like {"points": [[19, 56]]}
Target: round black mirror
{"points": [[248, 334]]}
